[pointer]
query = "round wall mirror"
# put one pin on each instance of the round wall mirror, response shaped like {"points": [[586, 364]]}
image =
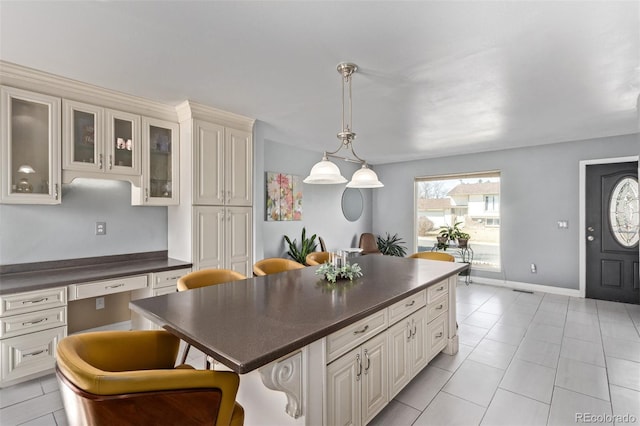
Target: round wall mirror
{"points": [[352, 204]]}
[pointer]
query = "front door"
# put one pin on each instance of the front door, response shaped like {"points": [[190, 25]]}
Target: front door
{"points": [[612, 232]]}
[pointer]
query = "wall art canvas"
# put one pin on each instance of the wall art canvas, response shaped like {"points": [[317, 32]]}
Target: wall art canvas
{"points": [[284, 197]]}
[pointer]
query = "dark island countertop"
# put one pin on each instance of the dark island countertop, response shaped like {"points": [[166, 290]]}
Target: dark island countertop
{"points": [[250, 323], [42, 275]]}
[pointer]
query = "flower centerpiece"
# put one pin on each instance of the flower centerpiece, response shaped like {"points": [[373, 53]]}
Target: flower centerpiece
{"points": [[331, 272]]}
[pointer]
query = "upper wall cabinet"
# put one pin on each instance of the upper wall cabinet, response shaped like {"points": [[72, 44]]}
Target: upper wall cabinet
{"points": [[99, 140], [30, 158], [160, 163], [223, 160]]}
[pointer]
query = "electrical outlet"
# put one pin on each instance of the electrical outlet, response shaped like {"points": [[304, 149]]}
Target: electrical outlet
{"points": [[99, 303], [563, 224], [534, 268], [101, 228]]}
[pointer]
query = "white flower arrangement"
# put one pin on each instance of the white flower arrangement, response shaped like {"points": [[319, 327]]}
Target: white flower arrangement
{"points": [[331, 272]]}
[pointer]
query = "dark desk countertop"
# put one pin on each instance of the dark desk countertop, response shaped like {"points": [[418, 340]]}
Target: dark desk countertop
{"points": [[250, 323], [52, 274]]}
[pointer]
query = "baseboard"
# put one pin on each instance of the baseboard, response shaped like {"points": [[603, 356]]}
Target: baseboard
{"points": [[527, 286], [123, 325]]}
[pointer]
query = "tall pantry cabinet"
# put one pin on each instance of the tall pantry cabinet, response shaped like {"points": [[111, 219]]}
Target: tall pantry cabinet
{"points": [[213, 227]]}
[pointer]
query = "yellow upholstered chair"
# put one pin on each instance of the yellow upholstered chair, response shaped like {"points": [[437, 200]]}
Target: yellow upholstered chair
{"points": [[273, 265], [317, 258], [128, 378], [204, 278], [433, 255], [368, 244]]}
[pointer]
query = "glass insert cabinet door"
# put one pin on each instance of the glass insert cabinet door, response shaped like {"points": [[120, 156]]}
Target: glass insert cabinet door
{"points": [[160, 140], [30, 147]]}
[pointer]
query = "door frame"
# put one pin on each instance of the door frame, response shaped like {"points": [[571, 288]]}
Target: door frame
{"points": [[582, 244]]}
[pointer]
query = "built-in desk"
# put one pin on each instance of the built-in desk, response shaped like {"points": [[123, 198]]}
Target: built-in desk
{"points": [[278, 325]]}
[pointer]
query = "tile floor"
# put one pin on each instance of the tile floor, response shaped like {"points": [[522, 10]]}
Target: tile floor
{"points": [[524, 359]]}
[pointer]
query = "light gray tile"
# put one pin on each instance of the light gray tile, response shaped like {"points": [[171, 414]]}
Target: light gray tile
{"points": [[624, 349], [621, 317], [624, 373], [47, 420], [470, 335], [424, 387], [568, 408], [583, 305], [31, 409], [584, 378], [451, 362], [523, 308], [465, 309], [482, 319], [61, 418], [504, 333], [474, 382], [494, 307], [581, 350], [583, 318], [446, 409], [493, 353], [395, 414], [559, 308], [509, 409], [625, 402], [49, 383], [556, 298], [619, 330], [20, 392], [531, 380], [545, 333], [516, 319], [539, 352], [582, 331], [555, 319], [530, 299]]}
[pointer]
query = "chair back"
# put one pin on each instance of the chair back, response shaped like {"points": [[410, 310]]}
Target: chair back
{"points": [[368, 244], [207, 277], [434, 255], [128, 377], [317, 258], [273, 265]]}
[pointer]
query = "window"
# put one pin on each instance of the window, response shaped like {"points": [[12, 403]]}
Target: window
{"points": [[473, 200]]}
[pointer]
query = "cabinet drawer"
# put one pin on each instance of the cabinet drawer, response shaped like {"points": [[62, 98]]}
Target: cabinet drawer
{"points": [[28, 354], [164, 290], [20, 303], [32, 322], [406, 306], [100, 288], [353, 335], [437, 290], [167, 278], [437, 307], [437, 335]]}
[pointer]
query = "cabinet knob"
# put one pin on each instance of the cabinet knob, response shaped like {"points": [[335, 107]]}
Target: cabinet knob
{"points": [[56, 192], [366, 355], [146, 194], [110, 161]]}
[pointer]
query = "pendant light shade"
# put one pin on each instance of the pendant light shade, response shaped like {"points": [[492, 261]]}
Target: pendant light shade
{"points": [[326, 172], [364, 178]]}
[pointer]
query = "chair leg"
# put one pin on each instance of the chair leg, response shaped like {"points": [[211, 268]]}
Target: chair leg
{"points": [[186, 352]]}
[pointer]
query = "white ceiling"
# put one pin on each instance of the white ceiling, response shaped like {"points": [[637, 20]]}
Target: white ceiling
{"points": [[435, 78]]}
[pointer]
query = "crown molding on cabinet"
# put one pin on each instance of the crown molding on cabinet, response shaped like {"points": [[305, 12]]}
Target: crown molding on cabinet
{"points": [[39, 81], [188, 110]]}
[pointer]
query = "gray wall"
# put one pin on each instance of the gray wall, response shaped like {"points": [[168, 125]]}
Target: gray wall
{"points": [[322, 213], [539, 186], [35, 233]]}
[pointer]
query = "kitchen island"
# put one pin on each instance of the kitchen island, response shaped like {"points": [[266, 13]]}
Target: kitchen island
{"points": [[290, 331]]}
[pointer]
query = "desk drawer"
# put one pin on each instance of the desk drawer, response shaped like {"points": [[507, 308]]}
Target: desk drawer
{"points": [[168, 278], [32, 322], [100, 288], [437, 336], [437, 290], [20, 303], [406, 306], [437, 308], [344, 340]]}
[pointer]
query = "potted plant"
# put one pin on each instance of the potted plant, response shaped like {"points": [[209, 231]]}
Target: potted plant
{"points": [[452, 233], [463, 239], [307, 245], [391, 245]]}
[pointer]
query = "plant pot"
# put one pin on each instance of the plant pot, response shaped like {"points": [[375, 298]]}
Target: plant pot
{"points": [[462, 242]]}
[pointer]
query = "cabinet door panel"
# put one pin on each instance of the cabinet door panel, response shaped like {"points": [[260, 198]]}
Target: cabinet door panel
{"points": [[209, 222], [418, 355], [123, 144], [32, 353], [160, 167], [238, 239], [208, 164], [82, 137], [399, 373], [239, 166], [375, 391], [343, 390]]}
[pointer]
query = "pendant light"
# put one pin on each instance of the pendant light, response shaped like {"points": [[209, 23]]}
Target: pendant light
{"points": [[327, 172]]}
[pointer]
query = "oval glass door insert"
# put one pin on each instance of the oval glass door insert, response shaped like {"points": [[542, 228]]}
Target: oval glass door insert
{"points": [[623, 212]]}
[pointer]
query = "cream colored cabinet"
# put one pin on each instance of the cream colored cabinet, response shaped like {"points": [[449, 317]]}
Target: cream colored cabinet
{"points": [[30, 152], [98, 141], [407, 350], [160, 283], [357, 384], [160, 164], [223, 238], [31, 325], [437, 318], [223, 165]]}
